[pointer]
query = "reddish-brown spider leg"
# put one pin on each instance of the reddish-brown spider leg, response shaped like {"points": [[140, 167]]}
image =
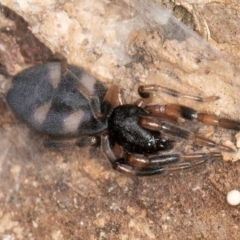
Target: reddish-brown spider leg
{"points": [[145, 91], [140, 165], [177, 111], [155, 124], [113, 98]]}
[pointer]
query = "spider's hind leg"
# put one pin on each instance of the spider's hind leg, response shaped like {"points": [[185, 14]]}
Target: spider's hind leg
{"points": [[84, 141]]}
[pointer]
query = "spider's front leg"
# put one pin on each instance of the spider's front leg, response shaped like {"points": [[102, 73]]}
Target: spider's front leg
{"points": [[140, 165], [155, 124], [145, 91], [164, 117], [175, 111]]}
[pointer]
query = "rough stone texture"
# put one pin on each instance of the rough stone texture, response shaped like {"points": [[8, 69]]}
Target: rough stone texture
{"points": [[73, 193]]}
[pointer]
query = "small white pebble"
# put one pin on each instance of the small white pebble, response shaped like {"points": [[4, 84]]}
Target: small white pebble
{"points": [[233, 197]]}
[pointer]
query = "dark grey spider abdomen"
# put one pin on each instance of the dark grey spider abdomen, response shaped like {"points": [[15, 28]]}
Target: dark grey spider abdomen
{"points": [[51, 103]]}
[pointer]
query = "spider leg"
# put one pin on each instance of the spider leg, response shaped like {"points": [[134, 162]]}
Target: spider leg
{"points": [[145, 91], [155, 124], [175, 110], [146, 94], [84, 141], [113, 98], [140, 165]]}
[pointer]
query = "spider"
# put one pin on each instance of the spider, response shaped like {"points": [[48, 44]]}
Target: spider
{"points": [[70, 105]]}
